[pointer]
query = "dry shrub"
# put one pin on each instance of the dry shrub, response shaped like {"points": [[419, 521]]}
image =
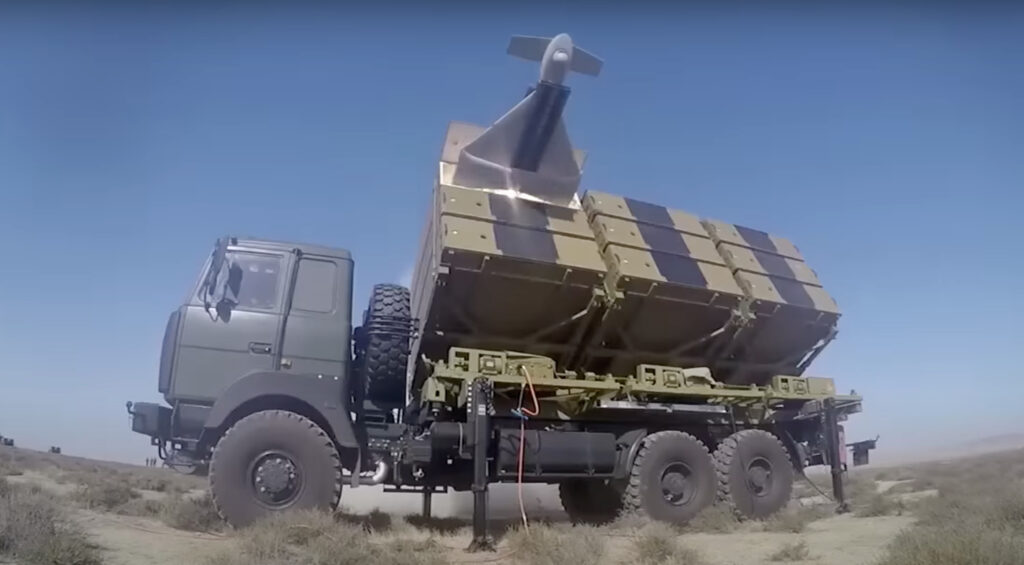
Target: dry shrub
{"points": [[7, 470], [630, 521], [898, 474], [718, 519], [795, 521], [878, 505], [658, 544], [977, 517], [104, 494], [445, 526], [277, 537], [317, 538], [196, 514], [149, 482], [9, 466], [144, 479], [374, 521], [952, 545], [544, 544], [144, 507], [915, 485], [859, 487], [408, 551], [885, 475], [997, 509], [160, 480], [35, 529], [1007, 511], [796, 551]]}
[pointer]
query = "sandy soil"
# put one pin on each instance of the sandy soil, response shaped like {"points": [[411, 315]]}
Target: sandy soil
{"points": [[842, 540], [839, 540]]}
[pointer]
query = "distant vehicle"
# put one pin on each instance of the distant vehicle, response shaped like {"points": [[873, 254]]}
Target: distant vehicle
{"points": [[7, 441], [54, 449], [637, 356]]}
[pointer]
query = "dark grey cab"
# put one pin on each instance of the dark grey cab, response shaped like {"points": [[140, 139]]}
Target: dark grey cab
{"points": [[263, 317]]}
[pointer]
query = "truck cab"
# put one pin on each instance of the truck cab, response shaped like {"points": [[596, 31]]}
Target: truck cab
{"points": [[262, 317]]}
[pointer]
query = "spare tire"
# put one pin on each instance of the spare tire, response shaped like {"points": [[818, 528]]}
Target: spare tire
{"points": [[382, 345]]}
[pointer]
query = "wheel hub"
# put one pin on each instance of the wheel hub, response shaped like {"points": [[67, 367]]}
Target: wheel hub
{"points": [[759, 476], [275, 479], [676, 486]]}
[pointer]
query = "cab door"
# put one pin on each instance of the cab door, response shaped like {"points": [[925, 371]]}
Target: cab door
{"points": [[215, 350], [317, 331]]}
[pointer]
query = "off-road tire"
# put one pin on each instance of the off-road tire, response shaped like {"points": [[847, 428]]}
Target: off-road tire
{"points": [[297, 436], [731, 460], [644, 492], [382, 359], [590, 501]]}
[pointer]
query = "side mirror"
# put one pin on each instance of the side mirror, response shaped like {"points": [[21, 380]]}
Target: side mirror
{"points": [[209, 289], [220, 251], [227, 293]]}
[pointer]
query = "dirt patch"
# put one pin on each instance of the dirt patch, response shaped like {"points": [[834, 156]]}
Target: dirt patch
{"points": [[128, 540], [841, 540]]}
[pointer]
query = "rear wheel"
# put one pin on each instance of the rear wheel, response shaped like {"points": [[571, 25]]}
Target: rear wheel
{"points": [[590, 501], [672, 478], [755, 473], [272, 461]]}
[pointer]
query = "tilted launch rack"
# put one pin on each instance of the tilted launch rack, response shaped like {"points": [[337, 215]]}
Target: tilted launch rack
{"points": [[611, 283]]}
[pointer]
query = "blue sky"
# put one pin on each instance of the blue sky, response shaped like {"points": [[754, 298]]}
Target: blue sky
{"points": [[887, 144]]}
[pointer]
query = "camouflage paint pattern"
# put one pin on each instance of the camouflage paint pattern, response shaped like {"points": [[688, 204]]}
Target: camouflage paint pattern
{"points": [[770, 268], [500, 271], [794, 315], [607, 283]]}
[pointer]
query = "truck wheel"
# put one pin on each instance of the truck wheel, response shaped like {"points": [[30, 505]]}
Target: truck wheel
{"points": [[755, 473], [386, 344], [590, 501], [672, 479], [271, 461]]}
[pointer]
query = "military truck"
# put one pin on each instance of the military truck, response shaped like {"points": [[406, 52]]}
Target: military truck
{"points": [[640, 357]]}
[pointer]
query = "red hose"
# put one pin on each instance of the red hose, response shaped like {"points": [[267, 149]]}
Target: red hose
{"points": [[522, 440]]}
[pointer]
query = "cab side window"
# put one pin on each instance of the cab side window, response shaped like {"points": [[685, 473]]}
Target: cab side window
{"points": [[315, 286]]}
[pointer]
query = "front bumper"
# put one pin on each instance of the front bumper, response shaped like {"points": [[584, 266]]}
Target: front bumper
{"points": [[150, 419]]}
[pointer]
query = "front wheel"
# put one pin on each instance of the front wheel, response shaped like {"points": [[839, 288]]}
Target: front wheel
{"points": [[271, 461]]}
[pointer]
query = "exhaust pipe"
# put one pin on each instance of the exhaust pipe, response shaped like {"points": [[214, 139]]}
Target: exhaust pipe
{"points": [[378, 476]]}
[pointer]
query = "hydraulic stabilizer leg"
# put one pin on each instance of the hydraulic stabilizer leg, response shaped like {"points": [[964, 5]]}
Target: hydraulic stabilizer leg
{"points": [[835, 447], [479, 416], [426, 503]]}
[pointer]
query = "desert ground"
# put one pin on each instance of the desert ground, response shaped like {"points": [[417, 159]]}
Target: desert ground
{"points": [[62, 510]]}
